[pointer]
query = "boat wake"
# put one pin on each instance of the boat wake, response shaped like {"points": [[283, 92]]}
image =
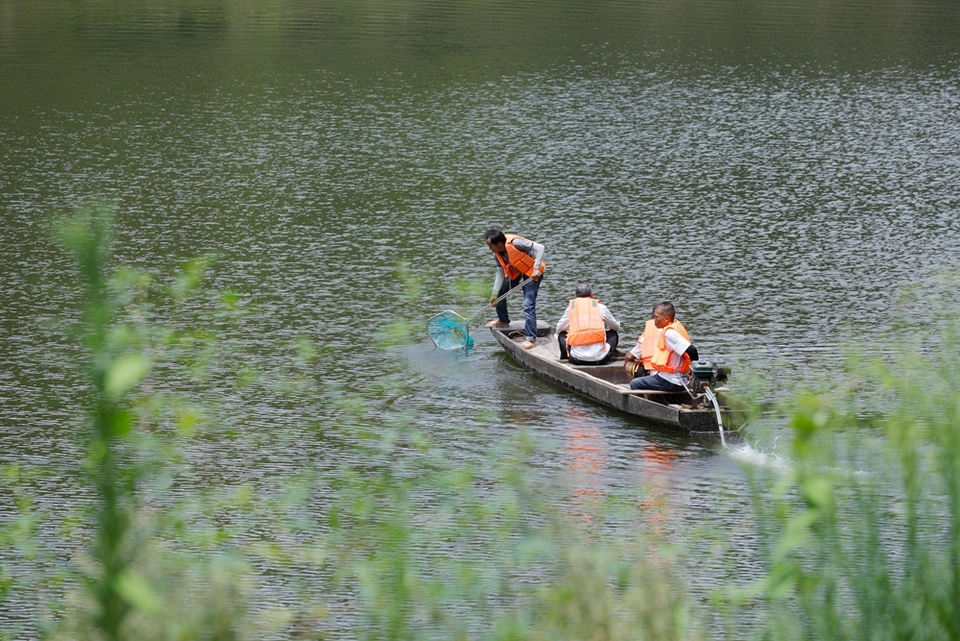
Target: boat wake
{"points": [[747, 453]]}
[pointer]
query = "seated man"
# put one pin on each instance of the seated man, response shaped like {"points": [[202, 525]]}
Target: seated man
{"points": [[637, 360], [666, 350], [587, 331]]}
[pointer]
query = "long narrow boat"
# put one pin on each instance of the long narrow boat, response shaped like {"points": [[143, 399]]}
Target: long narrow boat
{"points": [[608, 385]]}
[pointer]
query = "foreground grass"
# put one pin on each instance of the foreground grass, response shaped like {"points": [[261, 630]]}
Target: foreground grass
{"points": [[861, 537], [858, 539], [396, 541]]}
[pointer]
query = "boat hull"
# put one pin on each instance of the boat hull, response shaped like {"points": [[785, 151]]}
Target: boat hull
{"points": [[607, 385]]}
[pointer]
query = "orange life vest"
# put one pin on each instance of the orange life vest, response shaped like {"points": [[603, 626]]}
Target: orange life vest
{"points": [[586, 324], [660, 360], [518, 262], [648, 343]]}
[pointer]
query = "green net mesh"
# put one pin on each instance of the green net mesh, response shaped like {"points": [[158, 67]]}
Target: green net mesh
{"points": [[448, 330]]}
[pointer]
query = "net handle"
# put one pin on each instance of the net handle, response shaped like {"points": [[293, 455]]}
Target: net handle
{"points": [[499, 298]]}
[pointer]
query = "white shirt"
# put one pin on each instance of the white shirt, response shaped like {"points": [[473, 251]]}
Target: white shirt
{"points": [[677, 345], [594, 351]]}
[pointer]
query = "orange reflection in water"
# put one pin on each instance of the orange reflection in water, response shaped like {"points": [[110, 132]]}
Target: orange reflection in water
{"points": [[655, 474], [587, 463]]}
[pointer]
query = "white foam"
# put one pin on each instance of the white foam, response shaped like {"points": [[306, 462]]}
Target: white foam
{"points": [[747, 453]]}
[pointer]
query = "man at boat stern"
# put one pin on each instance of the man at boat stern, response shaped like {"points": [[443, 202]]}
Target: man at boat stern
{"points": [[517, 259], [666, 350], [587, 332]]}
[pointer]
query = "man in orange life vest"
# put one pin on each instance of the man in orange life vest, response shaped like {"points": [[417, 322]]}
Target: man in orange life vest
{"points": [[517, 258], [641, 363], [663, 349], [587, 331]]}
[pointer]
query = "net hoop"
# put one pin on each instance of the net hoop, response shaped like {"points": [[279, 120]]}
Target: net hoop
{"points": [[448, 330]]}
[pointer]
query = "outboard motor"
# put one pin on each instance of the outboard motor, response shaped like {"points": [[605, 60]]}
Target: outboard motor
{"points": [[706, 376], [709, 372]]}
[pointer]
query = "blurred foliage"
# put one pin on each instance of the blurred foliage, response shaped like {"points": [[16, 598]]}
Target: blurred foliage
{"points": [[397, 539], [861, 535]]}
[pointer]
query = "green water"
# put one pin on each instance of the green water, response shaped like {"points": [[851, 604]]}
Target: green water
{"points": [[780, 170]]}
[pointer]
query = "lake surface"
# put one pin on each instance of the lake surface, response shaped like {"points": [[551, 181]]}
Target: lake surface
{"points": [[781, 170]]}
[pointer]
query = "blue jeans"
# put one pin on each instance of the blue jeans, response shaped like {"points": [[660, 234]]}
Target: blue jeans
{"points": [[530, 291], [655, 382]]}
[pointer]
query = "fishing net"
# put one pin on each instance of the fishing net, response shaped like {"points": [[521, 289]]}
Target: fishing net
{"points": [[448, 330]]}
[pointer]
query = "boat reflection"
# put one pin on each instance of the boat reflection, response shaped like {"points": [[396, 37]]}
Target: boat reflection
{"points": [[589, 461], [587, 464], [655, 480]]}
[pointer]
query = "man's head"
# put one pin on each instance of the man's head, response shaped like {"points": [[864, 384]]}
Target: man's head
{"points": [[663, 314], [495, 240], [584, 291]]}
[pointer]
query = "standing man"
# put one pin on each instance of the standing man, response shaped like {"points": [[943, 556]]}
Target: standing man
{"points": [[587, 331], [671, 352], [517, 258]]}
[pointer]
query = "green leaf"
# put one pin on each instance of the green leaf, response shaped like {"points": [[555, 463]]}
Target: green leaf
{"points": [[795, 533], [818, 492], [782, 580], [187, 421], [137, 591], [124, 373]]}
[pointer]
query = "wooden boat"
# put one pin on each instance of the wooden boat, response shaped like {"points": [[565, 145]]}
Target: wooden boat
{"points": [[608, 385]]}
